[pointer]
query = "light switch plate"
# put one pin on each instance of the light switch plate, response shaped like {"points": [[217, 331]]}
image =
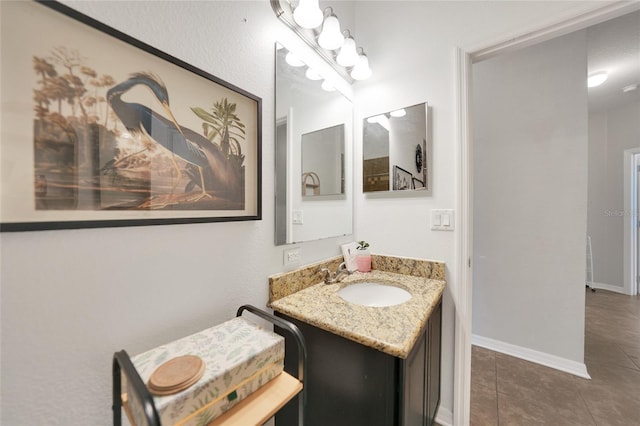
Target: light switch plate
{"points": [[442, 220], [298, 217]]}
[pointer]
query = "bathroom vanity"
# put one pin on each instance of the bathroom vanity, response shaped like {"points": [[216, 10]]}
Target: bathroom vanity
{"points": [[366, 365]]}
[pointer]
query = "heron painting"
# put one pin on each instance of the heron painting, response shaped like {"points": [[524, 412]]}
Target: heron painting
{"points": [[119, 133], [206, 166], [147, 158]]}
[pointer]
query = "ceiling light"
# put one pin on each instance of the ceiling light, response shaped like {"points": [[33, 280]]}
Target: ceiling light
{"points": [[398, 113], [348, 55], [630, 88], [596, 79], [361, 70], [312, 74], [331, 38], [293, 60], [308, 14]]}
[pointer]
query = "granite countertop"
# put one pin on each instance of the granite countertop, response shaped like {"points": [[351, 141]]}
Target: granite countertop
{"points": [[392, 329]]}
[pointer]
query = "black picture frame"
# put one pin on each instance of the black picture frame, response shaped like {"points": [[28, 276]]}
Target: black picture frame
{"points": [[417, 183], [402, 179], [176, 177]]}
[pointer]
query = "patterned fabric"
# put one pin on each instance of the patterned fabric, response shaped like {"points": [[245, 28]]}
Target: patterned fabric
{"points": [[239, 357]]}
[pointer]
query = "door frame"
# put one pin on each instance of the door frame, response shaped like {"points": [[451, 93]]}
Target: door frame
{"points": [[631, 164], [463, 295]]}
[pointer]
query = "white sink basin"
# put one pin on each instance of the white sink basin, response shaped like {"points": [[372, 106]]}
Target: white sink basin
{"points": [[374, 294]]}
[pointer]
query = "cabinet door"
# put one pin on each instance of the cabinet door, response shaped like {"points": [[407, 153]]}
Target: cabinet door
{"points": [[414, 385], [348, 384], [433, 363]]}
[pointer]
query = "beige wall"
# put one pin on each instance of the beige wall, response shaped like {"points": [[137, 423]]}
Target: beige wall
{"points": [[530, 197], [610, 133]]}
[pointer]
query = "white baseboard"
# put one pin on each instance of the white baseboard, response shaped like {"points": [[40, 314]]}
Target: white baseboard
{"points": [[568, 366], [444, 416], [609, 287]]}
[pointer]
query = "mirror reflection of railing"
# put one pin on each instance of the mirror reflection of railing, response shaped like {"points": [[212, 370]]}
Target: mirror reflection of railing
{"points": [[396, 155], [314, 130]]}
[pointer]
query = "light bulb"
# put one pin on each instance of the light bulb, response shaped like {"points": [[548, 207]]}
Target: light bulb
{"points": [[331, 38], [361, 70], [293, 60], [398, 113], [312, 74], [596, 79], [348, 55], [381, 120], [308, 14], [328, 86]]}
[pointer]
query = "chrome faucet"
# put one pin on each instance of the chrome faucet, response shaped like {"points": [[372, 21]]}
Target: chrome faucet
{"points": [[335, 277]]}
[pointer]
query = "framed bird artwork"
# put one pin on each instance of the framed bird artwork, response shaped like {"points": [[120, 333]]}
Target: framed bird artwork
{"points": [[100, 129]]}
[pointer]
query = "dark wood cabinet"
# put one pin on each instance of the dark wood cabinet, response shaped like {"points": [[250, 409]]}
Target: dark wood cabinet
{"points": [[420, 382], [434, 347], [351, 384]]}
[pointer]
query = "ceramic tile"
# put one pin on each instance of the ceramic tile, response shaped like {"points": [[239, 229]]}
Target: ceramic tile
{"points": [[599, 350], [483, 367], [633, 352], [484, 405], [529, 394], [517, 410], [612, 395], [521, 380]]}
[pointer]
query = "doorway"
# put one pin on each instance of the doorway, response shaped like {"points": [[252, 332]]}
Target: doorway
{"points": [[465, 58]]}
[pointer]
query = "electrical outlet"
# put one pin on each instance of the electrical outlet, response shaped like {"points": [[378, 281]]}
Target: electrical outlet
{"points": [[292, 256]]}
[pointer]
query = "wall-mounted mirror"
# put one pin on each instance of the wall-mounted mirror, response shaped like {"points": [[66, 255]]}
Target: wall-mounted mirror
{"points": [[314, 130], [395, 148]]}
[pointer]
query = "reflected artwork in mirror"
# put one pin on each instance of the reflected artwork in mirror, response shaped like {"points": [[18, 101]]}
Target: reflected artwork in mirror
{"points": [[396, 154], [313, 182]]}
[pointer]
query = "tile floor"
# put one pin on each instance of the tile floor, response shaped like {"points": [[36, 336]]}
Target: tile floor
{"points": [[509, 391]]}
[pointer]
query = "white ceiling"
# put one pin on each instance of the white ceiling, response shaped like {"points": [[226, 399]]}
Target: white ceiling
{"points": [[614, 46]]}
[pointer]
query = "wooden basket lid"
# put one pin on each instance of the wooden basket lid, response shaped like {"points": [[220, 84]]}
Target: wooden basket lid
{"points": [[176, 375]]}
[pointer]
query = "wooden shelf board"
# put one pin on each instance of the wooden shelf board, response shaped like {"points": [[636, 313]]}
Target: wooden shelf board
{"points": [[263, 404]]}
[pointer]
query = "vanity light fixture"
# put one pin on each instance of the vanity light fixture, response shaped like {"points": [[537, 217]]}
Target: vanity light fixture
{"points": [[381, 119], [361, 70], [327, 86], [597, 78], [308, 14], [293, 60], [348, 55], [398, 113], [324, 36], [331, 37]]}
